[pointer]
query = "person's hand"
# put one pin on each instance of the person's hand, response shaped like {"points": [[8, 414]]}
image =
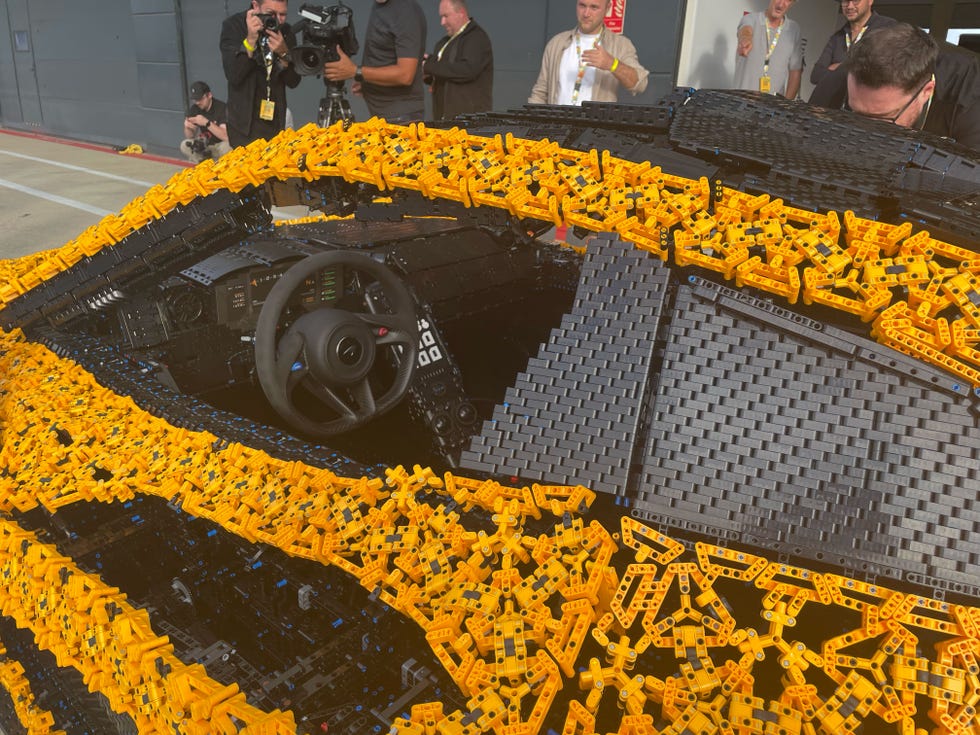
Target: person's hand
{"points": [[744, 42], [199, 120], [253, 26], [277, 44], [355, 88], [340, 70], [598, 57], [831, 67]]}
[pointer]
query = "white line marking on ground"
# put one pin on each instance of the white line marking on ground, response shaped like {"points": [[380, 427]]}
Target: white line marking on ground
{"points": [[54, 198], [92, 171]]}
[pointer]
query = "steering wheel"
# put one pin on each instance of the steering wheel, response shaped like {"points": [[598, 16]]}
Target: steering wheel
{"points": [[332, 351]]}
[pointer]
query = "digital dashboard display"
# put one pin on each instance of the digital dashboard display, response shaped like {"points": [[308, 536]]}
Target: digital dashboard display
{"points": [[240, 299]]}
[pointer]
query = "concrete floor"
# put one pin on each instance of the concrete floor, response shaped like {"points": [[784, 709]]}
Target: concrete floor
{"points": [[50, 190]]}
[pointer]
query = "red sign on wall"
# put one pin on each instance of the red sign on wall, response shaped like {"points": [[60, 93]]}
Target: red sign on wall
{"points": [[616, 16]]}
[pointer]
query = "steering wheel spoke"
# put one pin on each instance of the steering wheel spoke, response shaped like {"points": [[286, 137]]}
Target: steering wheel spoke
{"points": [[288, 352], [394, 337], [387, 322], [364, 395], [332, 352], [331, 399]]}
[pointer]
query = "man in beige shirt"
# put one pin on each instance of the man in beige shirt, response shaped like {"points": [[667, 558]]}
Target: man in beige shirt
{"points": [[588, 63]]}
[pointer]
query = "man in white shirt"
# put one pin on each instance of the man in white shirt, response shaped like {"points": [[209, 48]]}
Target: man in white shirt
{"points": [[588, 63]]}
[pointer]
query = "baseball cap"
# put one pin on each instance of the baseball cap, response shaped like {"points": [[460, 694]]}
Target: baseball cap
{"points": [[198, 90]]}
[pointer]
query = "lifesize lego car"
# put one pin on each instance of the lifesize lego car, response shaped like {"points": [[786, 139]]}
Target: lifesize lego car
{"points": [[611, 419]]}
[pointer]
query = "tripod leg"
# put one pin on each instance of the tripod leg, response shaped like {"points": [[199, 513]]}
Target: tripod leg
{"points": [[334, 107], [345, 112]]}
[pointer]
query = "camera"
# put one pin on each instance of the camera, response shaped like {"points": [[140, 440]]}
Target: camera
{"points": [[270, 21], [323, 29]]}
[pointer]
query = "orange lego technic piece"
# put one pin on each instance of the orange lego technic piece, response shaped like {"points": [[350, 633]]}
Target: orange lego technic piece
{"points": [[776, 277]]}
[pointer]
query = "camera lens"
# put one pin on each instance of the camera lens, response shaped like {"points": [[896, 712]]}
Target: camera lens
{"points": [[310, 58], [270, 21]]}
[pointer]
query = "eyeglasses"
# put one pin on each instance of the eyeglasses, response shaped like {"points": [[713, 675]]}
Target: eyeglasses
{"points": [[888, 118], [850, 2]]}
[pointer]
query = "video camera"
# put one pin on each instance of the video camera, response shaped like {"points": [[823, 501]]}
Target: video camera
{"points": [[323, 29]]}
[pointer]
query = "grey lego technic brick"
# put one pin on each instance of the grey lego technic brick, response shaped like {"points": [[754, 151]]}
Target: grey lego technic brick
{"points": [[573, 416], [795, 436]]}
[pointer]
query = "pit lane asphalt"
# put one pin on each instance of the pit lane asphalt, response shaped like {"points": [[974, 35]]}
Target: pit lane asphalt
{"points": [[52, 190]]}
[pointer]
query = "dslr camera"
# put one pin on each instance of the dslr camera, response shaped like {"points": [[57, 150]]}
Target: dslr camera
{"points": [[199, 146], [270, 22], [323, 29]]}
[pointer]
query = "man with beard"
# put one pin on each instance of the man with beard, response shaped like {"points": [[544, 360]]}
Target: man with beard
{"points": [[860, 18], [900, 75]]}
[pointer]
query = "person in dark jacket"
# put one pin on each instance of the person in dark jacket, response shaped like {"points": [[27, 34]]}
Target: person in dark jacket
{"points": [[859, 19], [899, 74], [460, 68], [255, 47]]}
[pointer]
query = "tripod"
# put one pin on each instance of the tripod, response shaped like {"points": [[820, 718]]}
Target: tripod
{"points": [[334, 106]]}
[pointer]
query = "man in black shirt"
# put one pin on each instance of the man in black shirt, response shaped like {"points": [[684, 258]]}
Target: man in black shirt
{"points": [[255, 47], [460, 68], [900, 75], [390, 77], [205, 126]]}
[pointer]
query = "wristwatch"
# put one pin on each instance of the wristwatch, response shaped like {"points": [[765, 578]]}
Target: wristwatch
{"points": [[358, 75]]}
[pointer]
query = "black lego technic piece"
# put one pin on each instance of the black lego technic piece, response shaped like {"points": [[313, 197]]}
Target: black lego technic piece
{"points": [[727, 416], [147, 383], [148, 256], [785, 433], [828, 159]]}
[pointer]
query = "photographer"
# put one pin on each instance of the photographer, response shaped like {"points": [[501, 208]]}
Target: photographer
{"points": [[205, 126], [255, 47], [391, 77]]}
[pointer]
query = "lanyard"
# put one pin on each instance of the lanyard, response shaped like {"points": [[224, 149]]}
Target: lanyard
{"points": [[446, 44], [268, 57], [772, 40], [581, 64], [847, 37]]}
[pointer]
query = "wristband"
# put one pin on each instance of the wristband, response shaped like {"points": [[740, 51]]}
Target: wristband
{"points": [[248, 47], [358, 75], [614, 65]]}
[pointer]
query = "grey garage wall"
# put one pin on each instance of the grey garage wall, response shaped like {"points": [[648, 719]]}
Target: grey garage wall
{"points": [[116, 71]]}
